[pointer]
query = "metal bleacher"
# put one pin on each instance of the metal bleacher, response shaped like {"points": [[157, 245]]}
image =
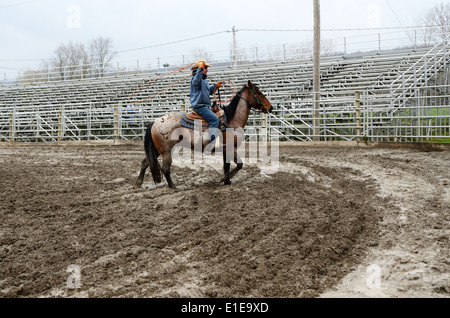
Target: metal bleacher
{"points": [[111, 108]]}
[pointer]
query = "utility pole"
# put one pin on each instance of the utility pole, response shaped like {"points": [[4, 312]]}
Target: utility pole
{"points": [[316, 85], [234, 48]]}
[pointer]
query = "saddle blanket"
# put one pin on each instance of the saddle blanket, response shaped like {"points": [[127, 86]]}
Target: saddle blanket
{"points": [[188, 120]]}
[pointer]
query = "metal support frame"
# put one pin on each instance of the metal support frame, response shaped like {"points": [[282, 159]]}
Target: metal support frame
{"points": [[404, 96]]}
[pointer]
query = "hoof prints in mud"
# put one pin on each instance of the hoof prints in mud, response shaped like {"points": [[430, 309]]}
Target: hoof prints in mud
{"points": [[294, 233]]}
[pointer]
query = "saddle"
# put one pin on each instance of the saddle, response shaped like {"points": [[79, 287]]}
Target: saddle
{"points": [[188, 119]]}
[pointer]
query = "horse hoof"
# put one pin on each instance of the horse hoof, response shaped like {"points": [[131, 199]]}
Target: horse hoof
{"points": [[220, 179], [227, 182]]}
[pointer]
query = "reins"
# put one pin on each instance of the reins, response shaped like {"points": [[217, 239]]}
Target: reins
{"points": [[219, 102], [218, 93]]}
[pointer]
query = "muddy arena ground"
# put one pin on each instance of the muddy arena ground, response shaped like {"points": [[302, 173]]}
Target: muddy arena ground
{"points": [[328, 222]]}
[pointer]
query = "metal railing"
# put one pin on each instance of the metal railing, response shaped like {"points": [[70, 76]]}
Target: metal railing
{"points": [[392, 105], [425, 116], [419, 73]]}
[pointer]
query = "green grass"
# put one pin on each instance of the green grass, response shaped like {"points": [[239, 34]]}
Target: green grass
{"points": [[439, 141]]}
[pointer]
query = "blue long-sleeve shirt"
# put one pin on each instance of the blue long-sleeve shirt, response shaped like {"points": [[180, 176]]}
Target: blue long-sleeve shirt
{"points": [[200, 91]]}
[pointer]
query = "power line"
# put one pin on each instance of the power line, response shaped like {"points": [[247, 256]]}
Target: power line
{"points": [[17, 4], [238, 30], [10, 68], [334, 30], [262, 30], [395, 14], [174, 42], [24, 60]]}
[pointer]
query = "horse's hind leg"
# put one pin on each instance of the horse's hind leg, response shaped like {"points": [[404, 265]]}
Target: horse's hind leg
{"points": [[144, 166], [226, 168], [167, 162]]}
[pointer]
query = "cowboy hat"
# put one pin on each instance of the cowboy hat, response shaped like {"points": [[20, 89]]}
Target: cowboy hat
{"points": [[198, 63]]}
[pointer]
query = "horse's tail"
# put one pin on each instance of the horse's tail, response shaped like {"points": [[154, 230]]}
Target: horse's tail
{"points": [[152, 155]]}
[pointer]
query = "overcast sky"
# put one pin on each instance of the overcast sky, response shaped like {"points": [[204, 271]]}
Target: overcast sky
{"points": [[31, 30]]}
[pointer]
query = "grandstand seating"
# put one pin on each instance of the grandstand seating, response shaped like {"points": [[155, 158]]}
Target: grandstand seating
{"points": [[86, 109]]}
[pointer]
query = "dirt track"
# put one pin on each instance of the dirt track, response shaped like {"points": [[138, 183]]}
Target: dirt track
{"points": [[312, 229]]}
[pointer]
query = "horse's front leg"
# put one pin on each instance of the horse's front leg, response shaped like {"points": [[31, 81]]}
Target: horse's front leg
{"points": [[226, 168], [239, 164]]}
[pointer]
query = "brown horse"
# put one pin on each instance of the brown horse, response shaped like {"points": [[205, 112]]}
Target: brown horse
{"points": [[166, 132]]}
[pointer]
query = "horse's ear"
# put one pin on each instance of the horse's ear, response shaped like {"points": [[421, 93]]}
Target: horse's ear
{"points": [[250, 84]]}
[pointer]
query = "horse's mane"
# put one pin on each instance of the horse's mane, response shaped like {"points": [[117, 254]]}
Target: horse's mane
{"points": [[230, 110]]}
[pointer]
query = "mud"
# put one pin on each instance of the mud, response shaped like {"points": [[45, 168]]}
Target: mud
{"points": [[328, 222]]}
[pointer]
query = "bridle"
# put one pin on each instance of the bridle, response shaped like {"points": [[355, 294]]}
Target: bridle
{"points": [[252, 90]]}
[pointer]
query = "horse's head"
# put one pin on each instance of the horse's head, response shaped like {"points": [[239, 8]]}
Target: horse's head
{"points": [[259, 99]]}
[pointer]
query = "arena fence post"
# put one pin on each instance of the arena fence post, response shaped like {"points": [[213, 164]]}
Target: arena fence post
{"points": [[116, 123], [264, 128], [60, 127], [37, 124], [358, 115], [11, 127]]}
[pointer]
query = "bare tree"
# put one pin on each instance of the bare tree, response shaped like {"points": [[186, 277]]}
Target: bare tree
{"points": [[436, 23], [59, 61], [30, 76], [36, 76], [77, 56], [305, 50], [300, 51], [200, 53], [328, 47], [241, 53], [72, 61], [101, 53], [274, 53], [45, 69], [68, 60]]}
